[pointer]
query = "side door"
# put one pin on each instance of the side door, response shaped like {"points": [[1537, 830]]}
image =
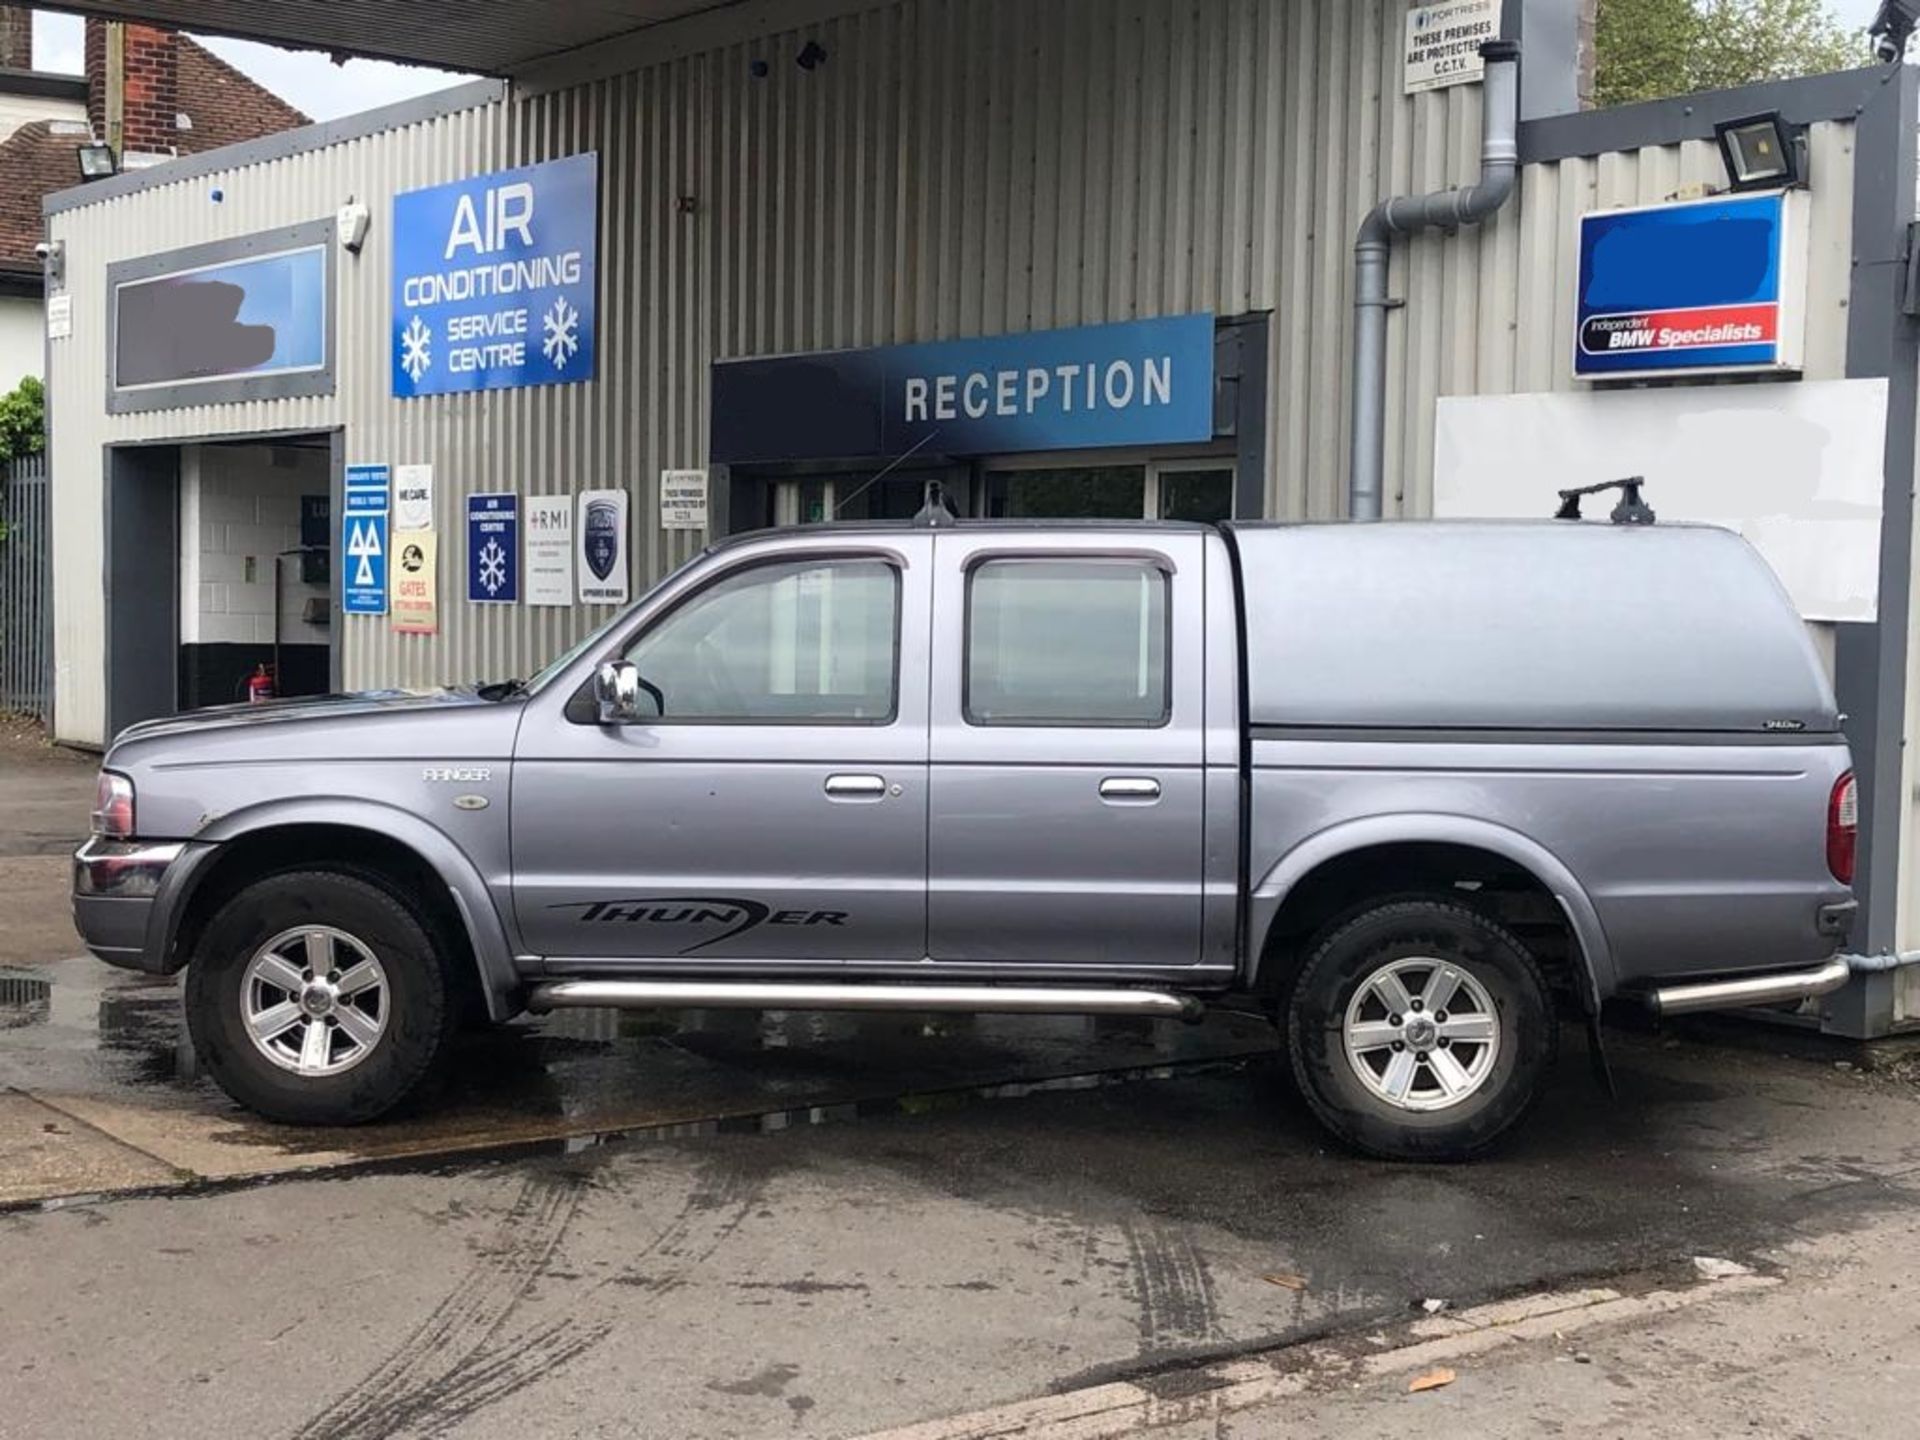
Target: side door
{"points": [[775, 813], [1067, 807]]}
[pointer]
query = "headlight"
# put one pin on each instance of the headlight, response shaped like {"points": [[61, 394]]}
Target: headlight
{"points": [[113, 807]]}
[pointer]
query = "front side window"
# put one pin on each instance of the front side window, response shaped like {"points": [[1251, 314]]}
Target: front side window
{"points": [[808, 642], [1067, 642]]}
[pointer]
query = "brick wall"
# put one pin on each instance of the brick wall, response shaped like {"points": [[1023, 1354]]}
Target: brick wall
{"points": [[16, 37], [239, 507], [151, 110]]}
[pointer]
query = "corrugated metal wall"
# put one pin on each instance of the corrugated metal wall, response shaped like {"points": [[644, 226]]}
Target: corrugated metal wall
{"points": [[956, 167]]}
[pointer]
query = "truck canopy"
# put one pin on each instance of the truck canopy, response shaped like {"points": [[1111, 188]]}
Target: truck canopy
{"points": [[1551, 625]]}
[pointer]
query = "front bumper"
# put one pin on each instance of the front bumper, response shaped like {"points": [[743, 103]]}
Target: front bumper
{"points": [[116, 886]]}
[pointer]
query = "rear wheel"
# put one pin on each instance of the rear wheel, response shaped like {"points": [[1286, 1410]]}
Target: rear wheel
{"points": [[317, 997], [1420, 1030]]}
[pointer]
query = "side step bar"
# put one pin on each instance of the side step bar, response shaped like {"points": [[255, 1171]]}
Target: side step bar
{"points": [[1751, 990], [778, 995]]}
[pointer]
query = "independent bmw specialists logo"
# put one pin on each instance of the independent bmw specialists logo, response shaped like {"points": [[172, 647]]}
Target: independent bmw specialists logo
{"points": [[711, 918]]}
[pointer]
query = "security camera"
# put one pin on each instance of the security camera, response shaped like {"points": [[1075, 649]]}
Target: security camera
{"points": [[43, 250], [1892, 25]]}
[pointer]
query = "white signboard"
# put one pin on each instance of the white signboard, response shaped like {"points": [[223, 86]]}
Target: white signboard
{"points": [[1444, 39], [601, 555], [683, 499], [549, 550], [1796, 469], [59, 316], [413, 497]]}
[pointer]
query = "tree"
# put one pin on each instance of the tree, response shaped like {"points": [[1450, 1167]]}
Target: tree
{"points": [[1646, 49], [23, 419]]}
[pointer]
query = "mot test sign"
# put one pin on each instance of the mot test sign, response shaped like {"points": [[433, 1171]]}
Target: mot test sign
{"points": [[1715, 286], [494, 280]]}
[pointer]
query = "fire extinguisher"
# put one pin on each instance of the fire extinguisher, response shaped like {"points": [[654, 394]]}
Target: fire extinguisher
{"points": [[259, 686]]}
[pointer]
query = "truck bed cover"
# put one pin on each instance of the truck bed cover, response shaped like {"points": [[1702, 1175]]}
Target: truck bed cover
{"points": [[1540, 625]]}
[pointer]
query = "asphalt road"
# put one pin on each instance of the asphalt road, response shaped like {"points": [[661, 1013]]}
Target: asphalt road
{"points": [[835, 1278]]}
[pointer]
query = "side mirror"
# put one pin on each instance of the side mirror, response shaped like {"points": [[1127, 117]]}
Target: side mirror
{"points": [[616, 686]]}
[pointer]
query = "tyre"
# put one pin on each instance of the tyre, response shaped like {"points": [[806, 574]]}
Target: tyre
{"points": [[316, 997], [1420, 1030]]}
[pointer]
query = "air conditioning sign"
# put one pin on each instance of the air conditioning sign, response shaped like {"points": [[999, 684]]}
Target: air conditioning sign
{"points": [[1706, 286], [494, 280]]}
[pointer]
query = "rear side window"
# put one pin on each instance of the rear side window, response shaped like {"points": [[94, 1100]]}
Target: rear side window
{"points": [[1066, 642]]}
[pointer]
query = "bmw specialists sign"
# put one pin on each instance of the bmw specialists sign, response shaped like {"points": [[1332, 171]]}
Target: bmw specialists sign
{"points": [[1713, 286], [494, 280]]}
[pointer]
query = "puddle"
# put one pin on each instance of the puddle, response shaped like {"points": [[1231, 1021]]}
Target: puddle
{"points": [[109, 1048]]}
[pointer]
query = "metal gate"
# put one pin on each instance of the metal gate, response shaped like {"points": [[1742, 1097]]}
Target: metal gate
{"points": [[26, 591]]}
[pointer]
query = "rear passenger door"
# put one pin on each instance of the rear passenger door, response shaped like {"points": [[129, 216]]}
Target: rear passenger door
{"points": [[1066, 813]]}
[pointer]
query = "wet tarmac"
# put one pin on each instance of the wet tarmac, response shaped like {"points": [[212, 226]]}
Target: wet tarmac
{"points": [[920, 1257], [105, 1095]]}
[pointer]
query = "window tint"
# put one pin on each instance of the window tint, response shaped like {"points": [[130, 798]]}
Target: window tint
{"points": [[1067, 642], [806, 642]]}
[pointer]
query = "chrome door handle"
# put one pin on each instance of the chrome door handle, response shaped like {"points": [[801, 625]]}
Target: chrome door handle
{"points": [[856, 787], [1129, 787]]}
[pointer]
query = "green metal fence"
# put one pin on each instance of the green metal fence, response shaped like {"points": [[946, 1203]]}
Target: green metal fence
{"points": [[26, 590]]}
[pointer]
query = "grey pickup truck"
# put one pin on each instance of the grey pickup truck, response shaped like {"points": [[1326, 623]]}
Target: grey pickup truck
{"points": [[1422, 790]]}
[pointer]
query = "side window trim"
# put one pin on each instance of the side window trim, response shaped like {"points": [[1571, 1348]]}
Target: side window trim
{"points": [[1147, 560]]}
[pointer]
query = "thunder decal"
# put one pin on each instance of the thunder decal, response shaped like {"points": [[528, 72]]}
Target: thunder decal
{"points": [[732, 917]]}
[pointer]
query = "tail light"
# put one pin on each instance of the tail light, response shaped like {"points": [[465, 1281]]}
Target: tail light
{"points": [[113, 807], [1843, 827]]}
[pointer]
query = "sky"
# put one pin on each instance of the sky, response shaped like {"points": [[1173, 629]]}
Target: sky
{"points": [[304, 78], [308, 79]]}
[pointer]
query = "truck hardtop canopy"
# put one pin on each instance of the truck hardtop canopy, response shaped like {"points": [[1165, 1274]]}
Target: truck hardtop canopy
{"points": [[1547, 625]]}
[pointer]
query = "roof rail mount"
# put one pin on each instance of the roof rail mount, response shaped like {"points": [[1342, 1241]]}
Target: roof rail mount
{"points": [[937, 511], [1631, 510]]}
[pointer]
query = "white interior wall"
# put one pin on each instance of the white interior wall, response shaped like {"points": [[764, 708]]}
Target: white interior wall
{"points": [[239, 507]]}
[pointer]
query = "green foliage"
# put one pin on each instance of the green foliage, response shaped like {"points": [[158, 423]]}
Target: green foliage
{"points": [[23, 419], [1646, 49]]}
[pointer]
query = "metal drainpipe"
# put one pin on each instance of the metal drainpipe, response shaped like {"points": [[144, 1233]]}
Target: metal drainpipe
{"points": [[1373, 247]]}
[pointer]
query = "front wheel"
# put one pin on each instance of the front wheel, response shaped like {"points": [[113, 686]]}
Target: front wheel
{"points": [[319, 998], [1420, 1030]]}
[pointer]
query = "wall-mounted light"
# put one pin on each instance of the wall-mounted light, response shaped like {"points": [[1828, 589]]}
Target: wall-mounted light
{"points": [[1762, 152], [97, 160], [351, 226]]}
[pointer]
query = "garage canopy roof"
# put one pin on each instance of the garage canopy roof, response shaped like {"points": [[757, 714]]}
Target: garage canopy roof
{"points": [[493, 37]]}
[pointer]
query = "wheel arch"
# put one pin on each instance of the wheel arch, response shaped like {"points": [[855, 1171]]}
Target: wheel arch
{"points": [[1285, 898], [368, 837]]}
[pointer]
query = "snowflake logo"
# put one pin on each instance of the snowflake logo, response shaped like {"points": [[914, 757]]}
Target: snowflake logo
{"points": [[562, 327], [416, 349], [493, 567]]}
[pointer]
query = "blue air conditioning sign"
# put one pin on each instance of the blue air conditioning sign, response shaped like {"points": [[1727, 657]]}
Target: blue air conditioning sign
{"points": [[1143, 382], [493, 280], [1708, 285]]}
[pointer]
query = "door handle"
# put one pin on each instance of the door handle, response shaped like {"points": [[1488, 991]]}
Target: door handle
{"points": [[1137, 788], [856, 787]]}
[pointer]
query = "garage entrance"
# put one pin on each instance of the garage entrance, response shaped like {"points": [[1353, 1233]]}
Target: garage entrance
{"points": [[219, 570]]}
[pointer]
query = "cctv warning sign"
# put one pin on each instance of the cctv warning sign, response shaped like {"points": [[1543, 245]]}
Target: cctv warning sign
{"points": [[1444, 40]]}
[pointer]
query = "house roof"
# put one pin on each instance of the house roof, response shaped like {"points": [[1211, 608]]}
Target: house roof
{"points": [[224, 106]]}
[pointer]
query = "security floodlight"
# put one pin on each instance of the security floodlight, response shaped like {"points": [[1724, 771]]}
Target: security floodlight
{"points": [[97, 161], [1761, 152]]}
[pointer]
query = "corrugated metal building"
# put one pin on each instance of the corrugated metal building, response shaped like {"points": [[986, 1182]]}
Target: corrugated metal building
{"points": [[955, 169], [948, 168]]}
